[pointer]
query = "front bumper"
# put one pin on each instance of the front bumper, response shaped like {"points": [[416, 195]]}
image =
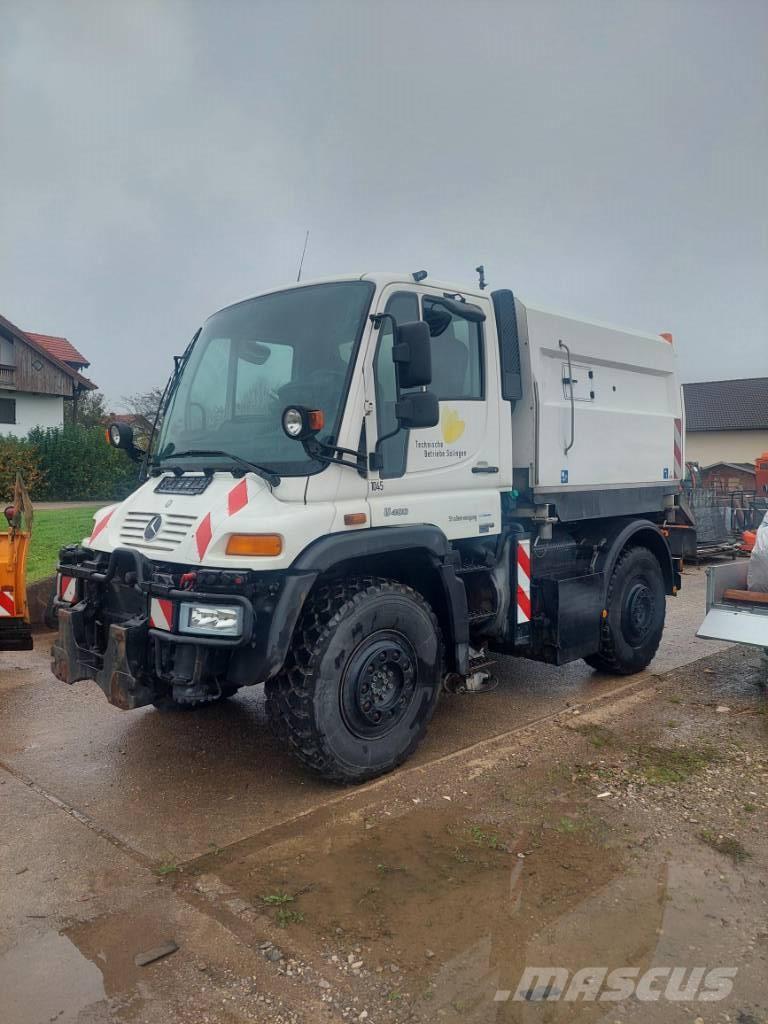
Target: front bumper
{"points": [[106, 633]]}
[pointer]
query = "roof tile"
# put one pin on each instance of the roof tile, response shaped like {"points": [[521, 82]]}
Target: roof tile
{"points": [[727, 404]]}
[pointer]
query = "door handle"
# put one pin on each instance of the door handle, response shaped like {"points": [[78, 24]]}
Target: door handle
{"points": [[485, 469]]}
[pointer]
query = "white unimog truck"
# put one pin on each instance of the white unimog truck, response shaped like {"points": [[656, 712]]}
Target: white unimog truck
{"points": [[363, 488]]}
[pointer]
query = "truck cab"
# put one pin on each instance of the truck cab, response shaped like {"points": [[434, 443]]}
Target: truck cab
{"points": [[364, 487]]}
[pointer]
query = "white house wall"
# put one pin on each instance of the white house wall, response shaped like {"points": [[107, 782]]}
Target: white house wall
{"points": [[33, 411]]}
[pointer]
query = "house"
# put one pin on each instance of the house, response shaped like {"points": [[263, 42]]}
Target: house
{"points": [[35, 381], [726, 420], [729, 477]]}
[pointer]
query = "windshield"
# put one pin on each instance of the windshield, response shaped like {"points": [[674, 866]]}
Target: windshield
{"points": [[251, 360]]}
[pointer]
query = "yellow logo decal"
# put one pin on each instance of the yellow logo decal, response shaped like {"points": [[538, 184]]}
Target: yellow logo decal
{"points": [[452, 426]]}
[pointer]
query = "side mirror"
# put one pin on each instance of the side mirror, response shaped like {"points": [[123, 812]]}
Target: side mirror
{"points": [[412, 354], [417, 410], [120, 435]]}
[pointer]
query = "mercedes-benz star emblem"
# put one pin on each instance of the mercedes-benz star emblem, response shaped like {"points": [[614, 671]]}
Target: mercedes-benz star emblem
{"points": [[152, 528]]}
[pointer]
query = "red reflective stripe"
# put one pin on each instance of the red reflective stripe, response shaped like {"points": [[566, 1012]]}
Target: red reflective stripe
{"points": [[161, 613], [524, 602], [7, 603], [100, 526], [203, 535], [524, 560], [238, 497]]}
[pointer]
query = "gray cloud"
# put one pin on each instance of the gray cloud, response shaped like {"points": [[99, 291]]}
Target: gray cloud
{"points": [[161, 159]]}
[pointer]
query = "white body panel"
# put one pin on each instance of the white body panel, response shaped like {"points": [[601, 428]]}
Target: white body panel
{"points": [[456, 471], [623, 414]]}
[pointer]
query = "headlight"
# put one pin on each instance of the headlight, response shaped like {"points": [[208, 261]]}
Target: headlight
{"points": [[211, 619], [293, 422]]}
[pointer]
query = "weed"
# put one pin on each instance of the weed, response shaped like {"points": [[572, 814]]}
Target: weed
{"points": [[285, 917], [277, 898], [726, 845], [166, 868], [750, 808], [489, 839]]}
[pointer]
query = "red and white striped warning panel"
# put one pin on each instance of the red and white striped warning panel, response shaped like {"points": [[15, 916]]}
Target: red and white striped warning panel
{"points": [[67, 589], [523, 581], [678, 449], [161, 613], [101, 525], [7, 604], [237, 498]]}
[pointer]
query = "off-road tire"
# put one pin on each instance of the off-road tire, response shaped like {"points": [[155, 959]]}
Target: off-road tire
{"points": [[169, 704], [315, 704], [624, 649]]}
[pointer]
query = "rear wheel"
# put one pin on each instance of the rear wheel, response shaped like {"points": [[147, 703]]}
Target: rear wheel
{"points": [[361, 680], [636, 606]]}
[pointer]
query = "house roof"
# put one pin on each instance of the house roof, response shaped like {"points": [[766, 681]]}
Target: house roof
{"points": [[742, 467], [60, 348], [131, 419], [727, 404], [17, 333]]}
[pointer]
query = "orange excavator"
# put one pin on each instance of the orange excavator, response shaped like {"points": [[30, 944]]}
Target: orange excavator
{"points": [[15, 633]]}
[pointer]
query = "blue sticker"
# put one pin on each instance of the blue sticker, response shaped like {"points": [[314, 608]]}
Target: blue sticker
{"points": [[563, 476], [666, 472]]}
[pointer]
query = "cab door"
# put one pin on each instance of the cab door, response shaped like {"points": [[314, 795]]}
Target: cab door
{"points": [[447, 475]]}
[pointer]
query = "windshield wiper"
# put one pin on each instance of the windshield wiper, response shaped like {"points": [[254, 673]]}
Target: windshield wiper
{"points": [[266, 474]]}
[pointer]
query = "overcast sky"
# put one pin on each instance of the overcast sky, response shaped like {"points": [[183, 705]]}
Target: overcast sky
{"points": [[159, 160]]}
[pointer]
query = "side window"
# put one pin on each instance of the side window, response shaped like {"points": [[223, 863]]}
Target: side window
{"points": [[404, 307], [457, 355]]}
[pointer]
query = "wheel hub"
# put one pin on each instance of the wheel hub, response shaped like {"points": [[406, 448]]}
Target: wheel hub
{"points": [[638, 613], [378, 684]]}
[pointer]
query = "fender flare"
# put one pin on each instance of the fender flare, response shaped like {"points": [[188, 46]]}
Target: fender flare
{"points": [[642, 533], [327, 552]]}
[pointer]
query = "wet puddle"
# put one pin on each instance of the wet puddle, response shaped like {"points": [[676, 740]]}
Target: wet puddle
{"points": [[47, 980], [447, 910]]}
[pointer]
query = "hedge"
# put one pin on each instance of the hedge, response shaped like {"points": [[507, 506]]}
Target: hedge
{"points": [[70, 463]]}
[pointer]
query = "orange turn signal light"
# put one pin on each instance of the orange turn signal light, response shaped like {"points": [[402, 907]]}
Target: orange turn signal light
{"points": [[355, 519], [316, 419], [263, 544]]}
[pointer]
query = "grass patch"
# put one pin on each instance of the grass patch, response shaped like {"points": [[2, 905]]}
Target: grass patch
{"points": [[726, 845], [750, 808], [597, 735], [168, 867], [51, 530], [482, 838], [568, 826], [276, 899], [670, 766]]}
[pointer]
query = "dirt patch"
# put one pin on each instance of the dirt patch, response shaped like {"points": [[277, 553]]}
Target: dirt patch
{"points": [[582, 843]]}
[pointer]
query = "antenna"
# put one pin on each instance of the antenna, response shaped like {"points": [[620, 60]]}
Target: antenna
{"points": [[480, 271], [303, 253]]}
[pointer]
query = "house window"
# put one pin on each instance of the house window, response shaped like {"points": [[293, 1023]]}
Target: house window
{"points": [[7, 410]]}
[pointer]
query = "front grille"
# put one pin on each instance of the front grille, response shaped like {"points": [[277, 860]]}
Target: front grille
{"points": [[172, 532]]}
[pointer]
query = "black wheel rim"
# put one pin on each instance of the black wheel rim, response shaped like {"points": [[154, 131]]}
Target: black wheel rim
{"points": [[638, 613], [378, 684]]}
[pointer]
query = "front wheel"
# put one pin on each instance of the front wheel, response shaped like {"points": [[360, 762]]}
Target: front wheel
{"points": [[361, 680], [636, 606]]}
